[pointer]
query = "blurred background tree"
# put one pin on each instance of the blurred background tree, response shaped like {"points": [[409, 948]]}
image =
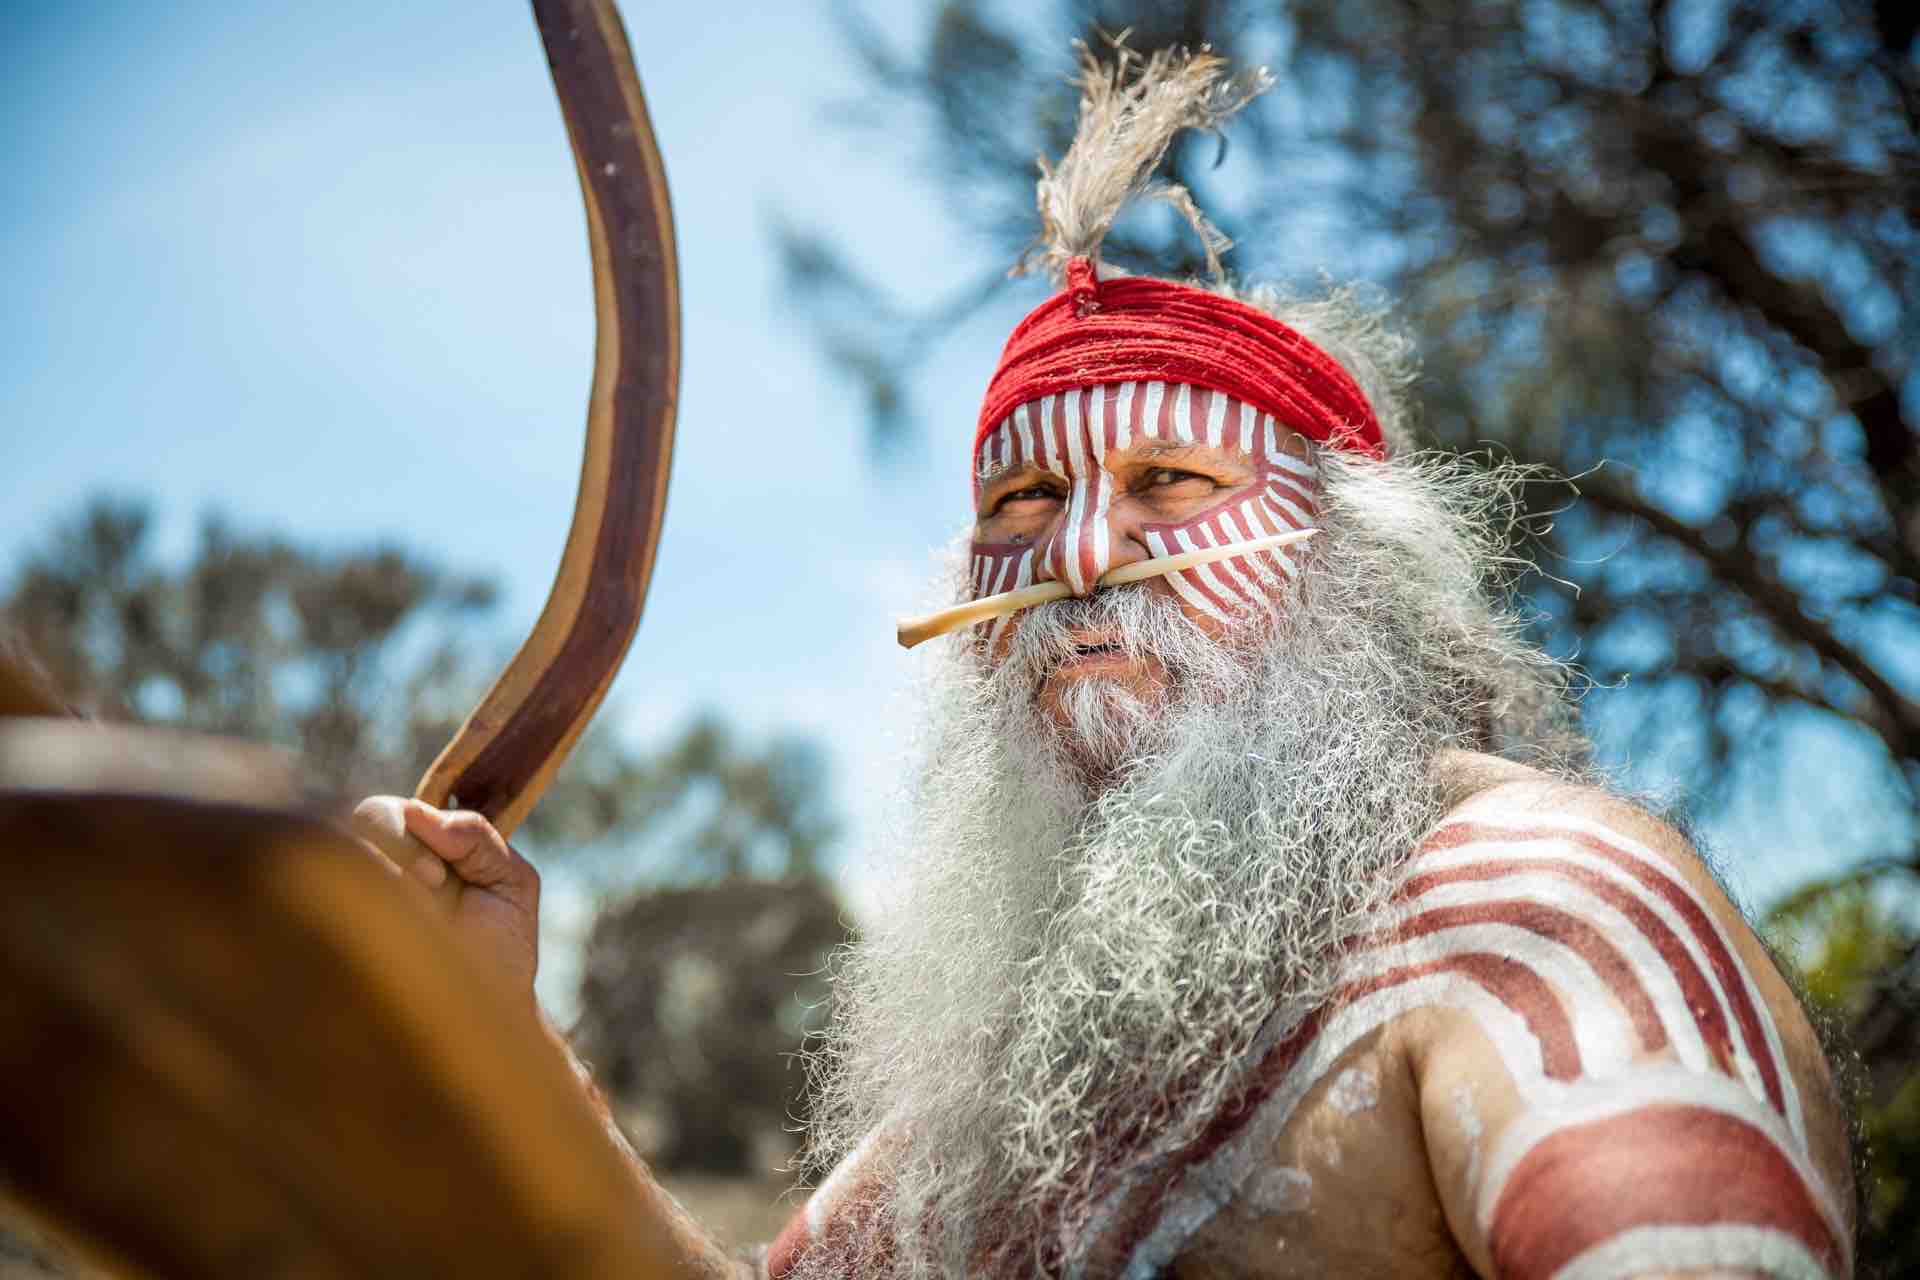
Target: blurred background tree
{"points": [[363, 663], [1668, 247], [1862, 972], [720, 1096], [713, 917]]}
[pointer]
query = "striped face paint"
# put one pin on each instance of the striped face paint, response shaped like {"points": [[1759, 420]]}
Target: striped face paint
{"points": [[1078, 437]]}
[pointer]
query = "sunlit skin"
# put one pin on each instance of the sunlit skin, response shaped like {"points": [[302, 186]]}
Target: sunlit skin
{"points": [[496, 906], [1155, 482]]}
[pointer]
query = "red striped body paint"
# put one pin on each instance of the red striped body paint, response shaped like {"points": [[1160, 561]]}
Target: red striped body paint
{"points": [[1661, 1125], [1071, 437], [1664, 1178]]}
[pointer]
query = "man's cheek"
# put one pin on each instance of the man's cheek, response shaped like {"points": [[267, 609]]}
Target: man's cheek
{"points": [[998, 567], [1221, 594]]}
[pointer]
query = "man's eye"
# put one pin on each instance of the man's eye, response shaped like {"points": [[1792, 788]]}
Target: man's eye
{"points": [[1031, 492], [1169, 475]]}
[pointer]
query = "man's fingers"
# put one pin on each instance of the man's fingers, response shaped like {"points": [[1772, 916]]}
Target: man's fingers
{"points": [[425, 842], [478, 854], [381, 822]]}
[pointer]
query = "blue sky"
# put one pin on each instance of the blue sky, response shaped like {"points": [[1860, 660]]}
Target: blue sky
{"points": [[328, 273], [322, 268]]}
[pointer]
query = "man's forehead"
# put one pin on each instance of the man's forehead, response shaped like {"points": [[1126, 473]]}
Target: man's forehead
{"points": [[1159, 426]]}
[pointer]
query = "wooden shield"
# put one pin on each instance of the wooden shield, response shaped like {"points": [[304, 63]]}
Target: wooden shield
{"points": [[231, 1047]]}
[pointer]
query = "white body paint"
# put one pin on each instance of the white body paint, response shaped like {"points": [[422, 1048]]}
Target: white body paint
{"points": [[1355, 1089]]}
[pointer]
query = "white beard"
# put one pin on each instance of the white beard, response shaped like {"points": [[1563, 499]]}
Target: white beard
{"points": [[1070, 972]]}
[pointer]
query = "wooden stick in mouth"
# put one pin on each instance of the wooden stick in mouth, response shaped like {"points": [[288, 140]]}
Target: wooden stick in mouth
{"points": [[912, 631]]}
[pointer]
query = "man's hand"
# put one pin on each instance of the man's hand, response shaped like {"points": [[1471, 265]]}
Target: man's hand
{"points": [[493, 903], [495, 900]]}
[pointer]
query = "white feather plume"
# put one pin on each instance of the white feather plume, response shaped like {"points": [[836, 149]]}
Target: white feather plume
{"points": [[1131, 109]]}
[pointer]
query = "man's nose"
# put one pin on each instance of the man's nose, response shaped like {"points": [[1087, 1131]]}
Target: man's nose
{"points": [[1090, 537]]}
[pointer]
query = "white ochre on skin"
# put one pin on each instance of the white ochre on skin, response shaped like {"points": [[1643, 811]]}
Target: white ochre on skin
{"points": [[913, 631]]}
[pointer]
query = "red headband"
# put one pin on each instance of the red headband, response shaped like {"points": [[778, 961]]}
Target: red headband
{"points": [[1135, 329]]}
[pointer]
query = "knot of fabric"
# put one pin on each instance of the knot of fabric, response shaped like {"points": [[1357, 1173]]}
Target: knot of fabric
{"points": [[1083, 286], [1145, 330]]}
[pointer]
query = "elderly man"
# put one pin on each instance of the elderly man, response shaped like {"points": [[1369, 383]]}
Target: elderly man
{"points": [[1261, 919]]}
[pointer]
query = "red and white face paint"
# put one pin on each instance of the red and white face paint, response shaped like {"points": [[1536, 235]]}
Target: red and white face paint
{"points": [[1071, 436]]}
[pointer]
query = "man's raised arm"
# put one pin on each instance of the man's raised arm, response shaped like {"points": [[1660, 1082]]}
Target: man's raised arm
{"points": [[496, 912]]}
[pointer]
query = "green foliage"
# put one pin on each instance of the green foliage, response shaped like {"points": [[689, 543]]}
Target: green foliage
{"points": [[1892, 1133], [1844, 924], [1862, 971], [363, 663]]}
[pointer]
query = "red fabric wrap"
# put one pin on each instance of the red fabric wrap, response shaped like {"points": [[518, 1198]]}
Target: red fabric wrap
{"points": [[1140, 330]]}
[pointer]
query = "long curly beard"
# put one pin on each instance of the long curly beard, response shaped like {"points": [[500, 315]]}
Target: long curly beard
{"points": [[1095, 914]]}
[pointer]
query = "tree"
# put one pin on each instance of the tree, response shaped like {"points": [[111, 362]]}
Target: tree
{"points": [[359, 662], [363, 663], [697, 995], [694, 1006], [707, 807], [1862, 975]]}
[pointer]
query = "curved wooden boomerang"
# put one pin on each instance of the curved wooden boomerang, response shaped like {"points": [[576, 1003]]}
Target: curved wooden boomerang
{"points": [[506, 753]]}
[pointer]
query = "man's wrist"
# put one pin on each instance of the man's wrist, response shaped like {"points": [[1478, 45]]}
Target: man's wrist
{"points": [[596, 1097]]}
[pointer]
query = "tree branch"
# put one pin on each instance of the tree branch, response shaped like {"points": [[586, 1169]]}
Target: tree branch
{"points": [[1717, 247], [1895, 718]]}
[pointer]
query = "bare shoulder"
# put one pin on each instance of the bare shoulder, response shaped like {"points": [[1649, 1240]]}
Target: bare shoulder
{"points": [[1642, 965], [1514, 809], [1489, 791], [1492, 794]]}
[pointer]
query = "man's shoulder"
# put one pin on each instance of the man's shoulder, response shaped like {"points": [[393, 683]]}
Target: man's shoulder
{"points": [[1492, 800], [1613, 917], [1567, 905], [1589, 888]]}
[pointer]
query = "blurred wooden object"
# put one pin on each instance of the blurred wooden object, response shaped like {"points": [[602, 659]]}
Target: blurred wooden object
{"points": [[92, 757], [23, 692], [231, 1048]]}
